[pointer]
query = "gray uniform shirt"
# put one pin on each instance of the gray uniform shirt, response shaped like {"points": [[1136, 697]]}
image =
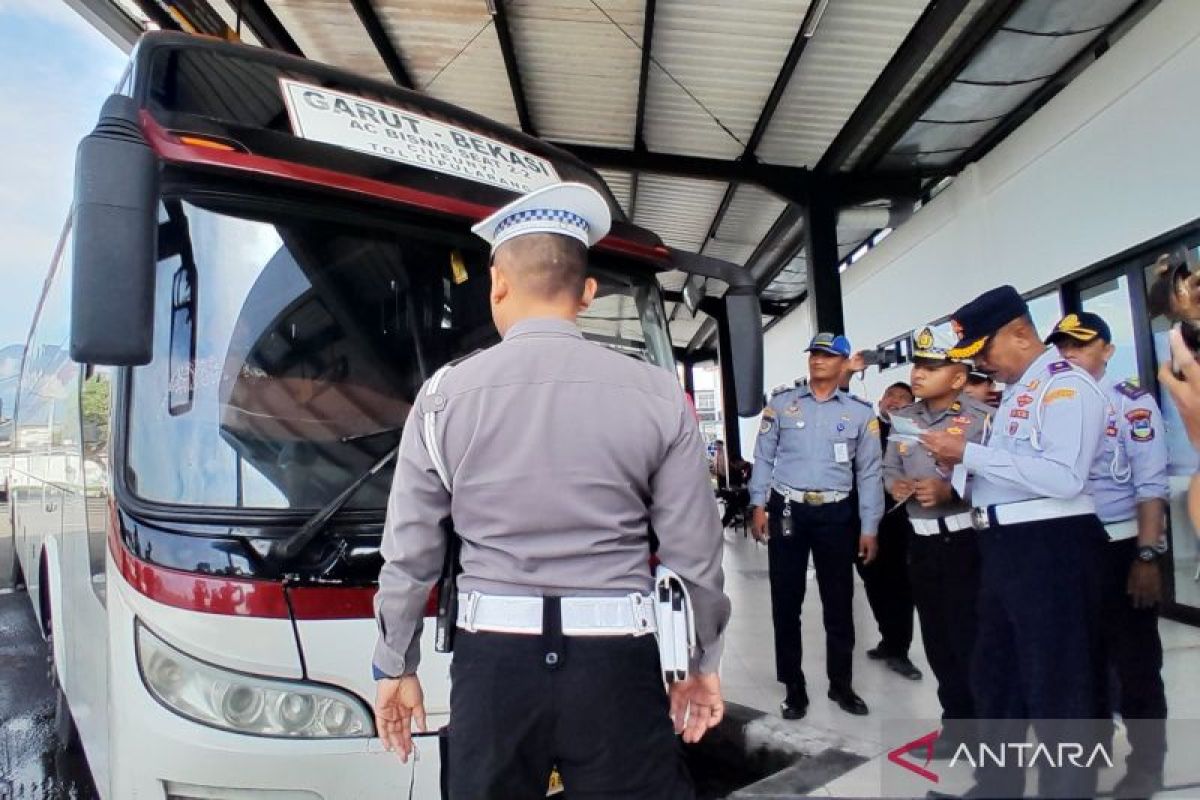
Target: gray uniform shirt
{"points": [[909, 460], [1133, 459], [816, 445], [1044, 439], [562, 455]]}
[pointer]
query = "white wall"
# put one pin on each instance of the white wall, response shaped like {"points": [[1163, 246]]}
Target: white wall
{"points": [[1112, 161]]}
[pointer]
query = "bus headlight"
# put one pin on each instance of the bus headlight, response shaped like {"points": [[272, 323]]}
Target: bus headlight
{"points": [[246, 703]]}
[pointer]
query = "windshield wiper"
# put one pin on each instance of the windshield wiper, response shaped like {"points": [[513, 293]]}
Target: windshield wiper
{"points": [[287, 549]]}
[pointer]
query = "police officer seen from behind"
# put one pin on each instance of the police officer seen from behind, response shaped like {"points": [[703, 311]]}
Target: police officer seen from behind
{"points": [[559, 455], [943, 554], [1129, 484], [1037, 654], [814, 443], [886, 578]]}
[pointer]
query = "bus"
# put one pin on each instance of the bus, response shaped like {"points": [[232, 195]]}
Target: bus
{"points": [[265, 259]]}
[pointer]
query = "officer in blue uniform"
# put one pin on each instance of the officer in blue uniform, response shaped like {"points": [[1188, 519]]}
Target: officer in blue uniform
{"points": [[1037, 654], [815, 444], [1129, 484]]}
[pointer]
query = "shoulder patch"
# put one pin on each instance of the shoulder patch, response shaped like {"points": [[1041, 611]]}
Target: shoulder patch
{"points": [[1141, 427], [1131, 389], [1058, 367], [873, 425]]}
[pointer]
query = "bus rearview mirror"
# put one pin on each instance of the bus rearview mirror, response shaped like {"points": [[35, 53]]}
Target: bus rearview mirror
{"points": [[114, 232]]}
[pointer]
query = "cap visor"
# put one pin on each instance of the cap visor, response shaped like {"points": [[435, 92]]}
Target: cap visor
{"points": [[822, 349], [931, 359], [1084, 335]]}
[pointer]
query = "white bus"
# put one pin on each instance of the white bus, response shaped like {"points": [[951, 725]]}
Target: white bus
{"points": [[266, 258]]}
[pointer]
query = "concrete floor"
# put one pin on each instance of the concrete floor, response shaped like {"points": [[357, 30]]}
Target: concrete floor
{"points": [[897, 704]]}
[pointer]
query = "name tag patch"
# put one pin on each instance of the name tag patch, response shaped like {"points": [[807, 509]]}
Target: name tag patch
{"points": [[841, 453]]}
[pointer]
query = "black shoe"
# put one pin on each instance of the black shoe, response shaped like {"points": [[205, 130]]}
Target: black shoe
{"points": [[795, 705], [878, 653], [902, 666], [1140, 784], [848, 701]]}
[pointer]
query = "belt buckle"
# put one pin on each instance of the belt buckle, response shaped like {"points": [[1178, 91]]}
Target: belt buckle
{"points": [[814, 498], [979, 519]]}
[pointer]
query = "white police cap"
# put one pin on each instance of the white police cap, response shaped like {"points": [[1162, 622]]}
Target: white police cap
{"points": [[568, 209], [934, 343]]}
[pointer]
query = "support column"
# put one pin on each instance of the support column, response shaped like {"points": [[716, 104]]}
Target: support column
{"points": [[821, 251], [729, 406], [689, 379]]}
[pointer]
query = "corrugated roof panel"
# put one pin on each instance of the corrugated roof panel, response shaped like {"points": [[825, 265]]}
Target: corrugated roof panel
{"points": [[750, 215], [679, 210], [791, 282], [621, 184], [330, 31], [684, 327], [727, 55], [852, 45], [579, 68], [729, 251], [451, 52], [935, 55]]}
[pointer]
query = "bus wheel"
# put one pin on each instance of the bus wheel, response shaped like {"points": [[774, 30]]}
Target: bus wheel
{"points": [[16, 578], [66, 736]]}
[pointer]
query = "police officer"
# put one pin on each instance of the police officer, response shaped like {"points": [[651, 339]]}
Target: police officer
{"points": [[815, 443], [1037, 655], [943, 552], [886, 578], [1129, 484], [981, 386], [554, 456]]}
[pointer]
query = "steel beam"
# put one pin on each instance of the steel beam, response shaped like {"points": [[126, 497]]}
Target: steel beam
{"points": [[990, 19], [112, 23], [934, 23], [388, 51], [639, 125], [824, 280], [509, 52], [267, 27]]}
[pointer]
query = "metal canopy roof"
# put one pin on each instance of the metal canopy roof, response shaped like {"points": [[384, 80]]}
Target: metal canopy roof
{"points": [[713, 122]]}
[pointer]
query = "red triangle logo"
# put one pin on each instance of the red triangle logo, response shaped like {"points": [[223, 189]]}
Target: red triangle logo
{"points": [[897, 756]]}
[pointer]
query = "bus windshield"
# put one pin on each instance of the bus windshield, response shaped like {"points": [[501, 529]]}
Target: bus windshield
{"points": [[289, 349]]}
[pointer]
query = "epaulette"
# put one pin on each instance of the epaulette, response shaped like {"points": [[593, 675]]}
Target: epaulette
{"points": [[780, 389], [1131, 389], [1058, 367], [865, 402]]}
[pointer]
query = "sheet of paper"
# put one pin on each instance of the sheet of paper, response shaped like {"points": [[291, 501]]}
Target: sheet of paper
{"points": [[904, 428], [958, 479]]}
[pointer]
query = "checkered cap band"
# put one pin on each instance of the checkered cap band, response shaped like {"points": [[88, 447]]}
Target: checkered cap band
{"points": [[557, 215]]}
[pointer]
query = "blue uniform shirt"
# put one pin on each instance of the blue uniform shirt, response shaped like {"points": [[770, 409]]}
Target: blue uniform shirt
{"points": [[1132, 464], [811, 445], [1025, 460]]}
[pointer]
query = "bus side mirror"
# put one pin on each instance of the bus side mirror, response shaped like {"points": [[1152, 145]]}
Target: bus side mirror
{"points": [[744, 343], [115, 227]]}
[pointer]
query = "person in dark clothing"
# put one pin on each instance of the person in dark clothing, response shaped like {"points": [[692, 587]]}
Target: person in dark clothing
{"points": [[886, 578]]}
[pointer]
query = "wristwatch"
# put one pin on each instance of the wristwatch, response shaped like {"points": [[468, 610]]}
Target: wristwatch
{"points": [[1148, 554]]}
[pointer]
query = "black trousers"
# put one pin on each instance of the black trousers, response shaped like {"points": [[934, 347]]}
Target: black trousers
{"points": [[887, 584], [600, 714], [825, 531], [1038, 653], [944, 569], [1135, 659]]}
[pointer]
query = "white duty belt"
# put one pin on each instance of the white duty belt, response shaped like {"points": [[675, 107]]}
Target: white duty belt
{"points": [[809, 497], [949, 524], [1120, 531], [1031, 511], [666, 612]]}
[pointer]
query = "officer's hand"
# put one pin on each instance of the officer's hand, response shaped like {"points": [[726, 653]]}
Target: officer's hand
{"points": [[398, 703], [902, 489], [946, 448], [868, 546], [932, 492], [1145, 584], [758, 525], [696, 705]]}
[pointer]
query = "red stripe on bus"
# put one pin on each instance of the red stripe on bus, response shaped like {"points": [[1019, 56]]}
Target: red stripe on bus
{"points": [[168, 147], [241, 597]]}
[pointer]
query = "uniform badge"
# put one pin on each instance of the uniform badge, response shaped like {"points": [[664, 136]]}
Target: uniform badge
{"points": [[955, 431], [1013, 427], [792, 410], [1058, 394], [955, 407], [1111, 430], [841, 426], [1019, 413], [1033, 384], [1059, 367], [963, 420], [903, 448], [873, 427], [1141, 429], [924, 339], [1024, 400], [765, 425]]}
